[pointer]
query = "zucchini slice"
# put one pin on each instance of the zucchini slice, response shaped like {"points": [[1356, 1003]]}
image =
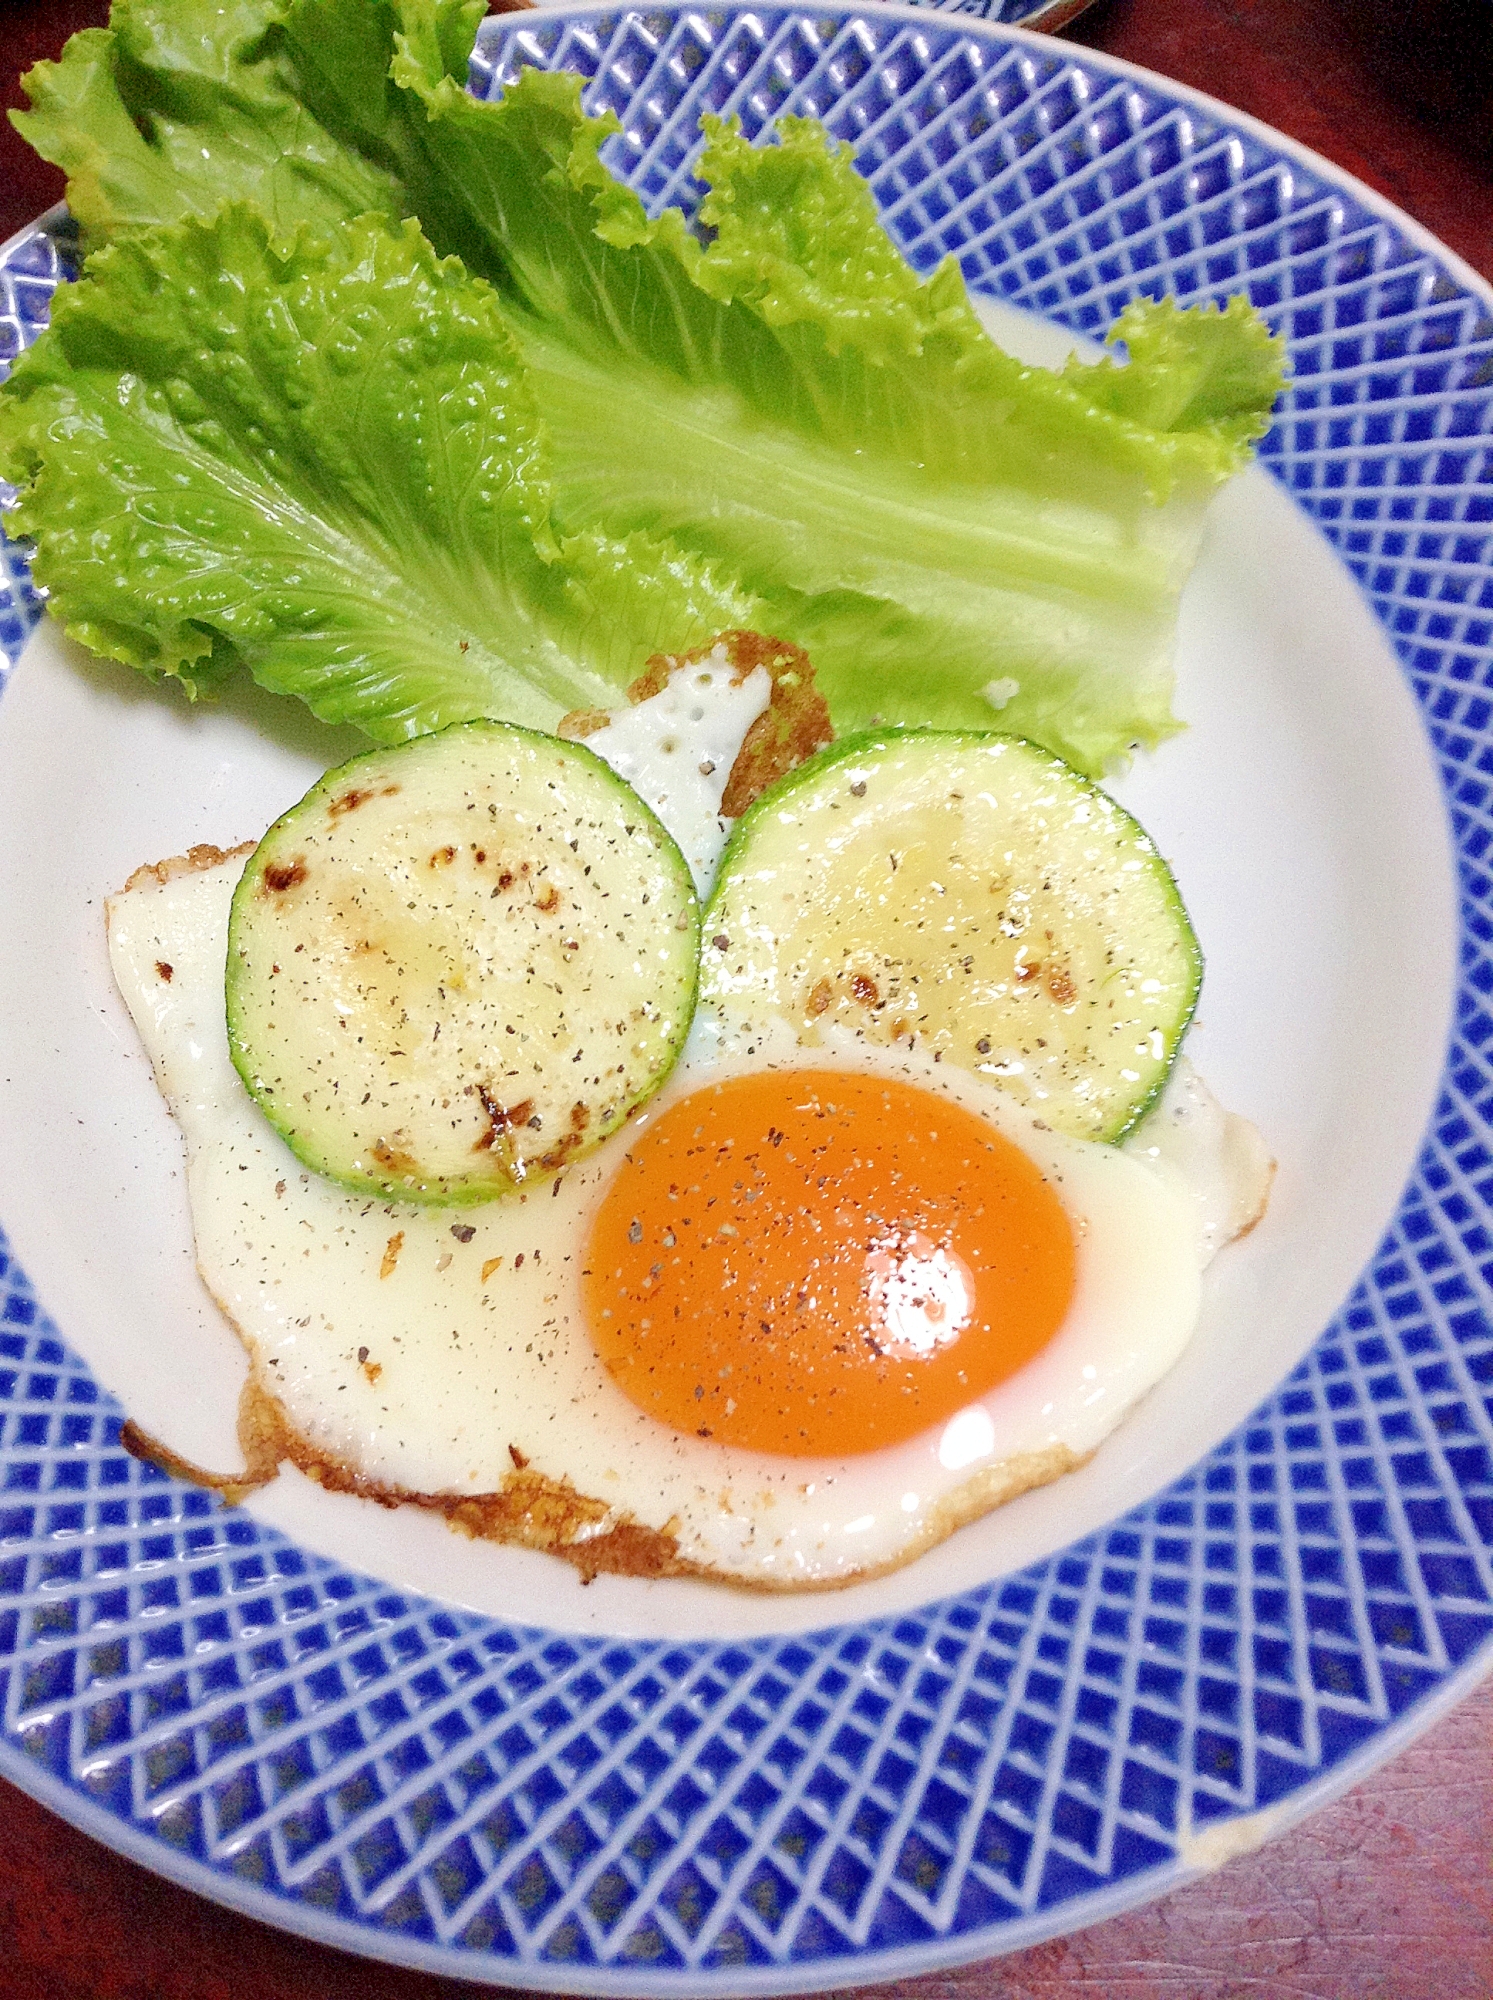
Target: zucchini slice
{"points": [[460, 963], [974, 895]]}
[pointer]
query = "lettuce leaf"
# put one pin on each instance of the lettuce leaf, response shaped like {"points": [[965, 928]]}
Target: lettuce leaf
{"points": [[173, 108], [319, 458], [788, 291], [767, 394], [954, 536]]}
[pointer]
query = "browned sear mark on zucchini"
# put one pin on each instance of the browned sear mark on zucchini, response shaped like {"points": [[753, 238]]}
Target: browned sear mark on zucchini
{"points": [[355, 797], [501, 1118], [282, 875], [394, 1160]]}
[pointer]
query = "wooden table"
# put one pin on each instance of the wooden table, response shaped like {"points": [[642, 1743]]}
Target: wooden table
{"points": [[1385, 1895]]}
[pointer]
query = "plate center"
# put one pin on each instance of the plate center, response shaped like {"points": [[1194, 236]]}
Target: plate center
{"points": [[1301, 812]]}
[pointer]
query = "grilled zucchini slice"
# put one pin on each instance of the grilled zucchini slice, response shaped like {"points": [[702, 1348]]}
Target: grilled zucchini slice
{"points": [[460, 963], [972, 895]]}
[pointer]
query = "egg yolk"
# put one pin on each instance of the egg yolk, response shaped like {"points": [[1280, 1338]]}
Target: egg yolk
{"points": [[814, 1263]]}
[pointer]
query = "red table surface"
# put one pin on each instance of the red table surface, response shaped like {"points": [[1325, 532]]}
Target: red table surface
{"points": [[1385, 1895]]}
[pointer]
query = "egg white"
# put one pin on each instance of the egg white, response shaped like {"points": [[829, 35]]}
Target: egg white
{"points": [[676, 748], [394, 1358]]}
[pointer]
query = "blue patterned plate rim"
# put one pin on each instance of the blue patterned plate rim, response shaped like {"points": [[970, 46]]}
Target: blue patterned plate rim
{"points": [[608, 1885]]}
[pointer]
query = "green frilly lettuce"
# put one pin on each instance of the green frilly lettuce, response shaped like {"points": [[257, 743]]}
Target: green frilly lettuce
{"points": [[320, 458], [764, 408]]}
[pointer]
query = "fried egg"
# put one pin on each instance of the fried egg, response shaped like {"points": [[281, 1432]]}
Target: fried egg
{"points": [[466, 1360], [676, 748]]}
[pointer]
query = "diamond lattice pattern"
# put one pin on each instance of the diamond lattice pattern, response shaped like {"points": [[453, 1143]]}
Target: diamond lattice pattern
{"points": [[622, 1813]]}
